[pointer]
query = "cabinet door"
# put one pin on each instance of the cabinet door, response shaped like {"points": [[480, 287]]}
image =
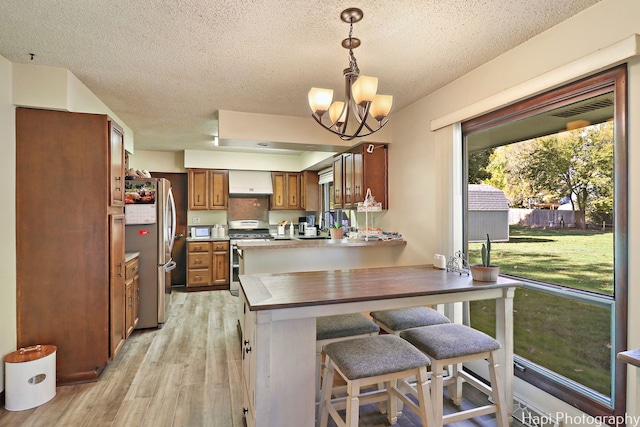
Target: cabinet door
{"points": [[136, 300], [116, 164], [293, 191], [279, 197], [117, 289], [337, 183], [309, 191], [218, 189], [198, 186], [347, 173], [128, 316], [358, 190], [221, 267]]}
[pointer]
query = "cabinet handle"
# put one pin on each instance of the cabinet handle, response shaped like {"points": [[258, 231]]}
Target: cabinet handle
{"points": [[217, 198], [197, 261], [245, 411], [135, 268], [130, 300], [247, 350], [119, 269], [279, 199], [198, 198], [198, 277], [293, 198], [246, 342]]}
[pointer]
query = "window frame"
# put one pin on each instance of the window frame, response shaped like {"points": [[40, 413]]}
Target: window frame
{"points": [[615, 80]]}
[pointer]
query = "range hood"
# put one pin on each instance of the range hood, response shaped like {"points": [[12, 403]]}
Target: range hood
{"points": [[250, 182]]}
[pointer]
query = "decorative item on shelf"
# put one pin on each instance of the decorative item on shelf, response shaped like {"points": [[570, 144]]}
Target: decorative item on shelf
{"points": [[360, 100], [369, 205], [458, 264], [485, 272]]}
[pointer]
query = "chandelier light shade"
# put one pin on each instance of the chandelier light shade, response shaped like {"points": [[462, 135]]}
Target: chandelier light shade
{"points": [[361, 100]]}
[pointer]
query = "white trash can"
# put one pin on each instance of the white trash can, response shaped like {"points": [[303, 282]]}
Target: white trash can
{"points": [[30, 377]]}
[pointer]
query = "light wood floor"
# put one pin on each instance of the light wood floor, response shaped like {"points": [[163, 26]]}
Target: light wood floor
{"points": [[185, 374]]}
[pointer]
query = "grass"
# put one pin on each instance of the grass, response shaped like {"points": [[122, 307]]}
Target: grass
{"points": [[568, 337]]}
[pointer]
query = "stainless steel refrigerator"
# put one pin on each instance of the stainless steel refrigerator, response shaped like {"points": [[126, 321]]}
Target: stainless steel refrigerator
{"points": [[150, 224]]}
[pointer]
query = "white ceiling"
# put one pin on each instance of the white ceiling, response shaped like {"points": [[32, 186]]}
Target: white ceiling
{"points": [[166, 67]]}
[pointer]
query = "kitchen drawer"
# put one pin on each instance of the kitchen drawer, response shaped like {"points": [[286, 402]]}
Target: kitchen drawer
{"points": [[131, 269], [198, 246], [220, 246], [198, 260], [199, 277]]}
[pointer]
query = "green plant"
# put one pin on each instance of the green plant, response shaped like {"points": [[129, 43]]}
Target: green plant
{"points": [[336, 225], [486, 253]]}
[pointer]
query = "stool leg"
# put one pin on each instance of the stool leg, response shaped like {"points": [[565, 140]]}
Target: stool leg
{"points": [[455, 386], [424, 399], [318, 373], [327, 385], [392, 402], [353, 403], [496, 390], [437, 399]]}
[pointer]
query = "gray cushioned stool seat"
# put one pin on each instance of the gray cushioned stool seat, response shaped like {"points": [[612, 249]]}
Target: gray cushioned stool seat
{"points": [[411, 317], [344, 325], [446, 341], [376, 355]]}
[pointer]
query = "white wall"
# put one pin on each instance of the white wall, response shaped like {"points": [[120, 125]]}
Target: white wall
{"points": [[8, 337], [424, 167]]}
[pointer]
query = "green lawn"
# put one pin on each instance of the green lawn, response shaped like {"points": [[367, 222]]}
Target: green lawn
{"points": [[567, 337]]}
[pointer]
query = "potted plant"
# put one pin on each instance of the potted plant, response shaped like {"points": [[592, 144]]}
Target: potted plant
{"points": [[485, 272], [336, 231]]}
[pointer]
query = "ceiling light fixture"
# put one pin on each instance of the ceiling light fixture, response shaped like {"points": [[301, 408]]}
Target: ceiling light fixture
{"points": [[361, 99]]}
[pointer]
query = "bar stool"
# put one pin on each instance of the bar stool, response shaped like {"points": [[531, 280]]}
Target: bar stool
{"points": [[339, 328], [395, 321], [453, 344], [367, 361]]}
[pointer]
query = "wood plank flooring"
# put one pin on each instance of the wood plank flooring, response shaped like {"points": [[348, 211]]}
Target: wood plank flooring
{"points": [[185, 374]]}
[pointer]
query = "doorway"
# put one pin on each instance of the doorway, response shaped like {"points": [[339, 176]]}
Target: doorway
{"points": [[179, 253]]}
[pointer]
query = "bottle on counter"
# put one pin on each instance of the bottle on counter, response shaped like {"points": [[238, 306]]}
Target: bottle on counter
{"points": [[291, 230]]}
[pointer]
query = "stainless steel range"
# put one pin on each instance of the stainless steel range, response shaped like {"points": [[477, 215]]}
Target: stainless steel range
{"points": [[247, 230]]}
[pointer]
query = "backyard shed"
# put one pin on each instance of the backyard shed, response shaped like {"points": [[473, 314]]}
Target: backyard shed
{"points": [[488, 214]]}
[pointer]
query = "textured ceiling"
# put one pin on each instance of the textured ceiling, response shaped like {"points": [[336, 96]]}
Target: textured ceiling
{"points": [[166, 67]]}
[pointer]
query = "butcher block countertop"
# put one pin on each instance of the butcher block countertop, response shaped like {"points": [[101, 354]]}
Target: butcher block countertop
{"points": [[317, 243], [289, 290]]}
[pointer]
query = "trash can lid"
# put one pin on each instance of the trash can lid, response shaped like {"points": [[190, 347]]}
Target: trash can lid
{"points": [[27, 354]]}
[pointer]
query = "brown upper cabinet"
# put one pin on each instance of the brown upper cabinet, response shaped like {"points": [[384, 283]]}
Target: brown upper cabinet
{"points": [[208, 189], [295, 191], [364, 166], [309, 191]]}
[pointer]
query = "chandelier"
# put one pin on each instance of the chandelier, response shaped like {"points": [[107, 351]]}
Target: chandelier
{"points": [[361, 100]]}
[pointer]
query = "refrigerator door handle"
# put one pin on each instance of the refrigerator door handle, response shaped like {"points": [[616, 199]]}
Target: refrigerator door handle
{"points": [[172, 234]]}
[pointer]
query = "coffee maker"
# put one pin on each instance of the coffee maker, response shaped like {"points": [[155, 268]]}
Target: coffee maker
{"points": [[302, 225]]}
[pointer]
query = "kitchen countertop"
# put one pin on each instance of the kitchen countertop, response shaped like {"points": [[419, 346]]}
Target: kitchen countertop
{"points": [[306, 289], [128, 256], [210, 239], [316, 243]]}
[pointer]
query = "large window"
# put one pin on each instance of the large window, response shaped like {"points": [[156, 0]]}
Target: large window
{"points": [[554, 168]]}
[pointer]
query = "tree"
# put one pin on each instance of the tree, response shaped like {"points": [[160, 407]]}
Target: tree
{"points": [[578, 163], [478, 162]]}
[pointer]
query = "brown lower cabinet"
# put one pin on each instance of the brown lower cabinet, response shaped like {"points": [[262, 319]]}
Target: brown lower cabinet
{"points": [[208, 264], [132, 295]]}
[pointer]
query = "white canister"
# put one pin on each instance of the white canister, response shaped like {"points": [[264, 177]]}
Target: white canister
{"points": [[30, 375], [439, 262], [310, 231]]}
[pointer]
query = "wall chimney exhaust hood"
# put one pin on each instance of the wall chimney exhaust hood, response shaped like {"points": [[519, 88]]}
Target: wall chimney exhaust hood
{"points": [[250, 182]]}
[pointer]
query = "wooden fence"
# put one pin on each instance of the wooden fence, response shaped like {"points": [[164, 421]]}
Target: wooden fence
{"points": [[542, 218]]}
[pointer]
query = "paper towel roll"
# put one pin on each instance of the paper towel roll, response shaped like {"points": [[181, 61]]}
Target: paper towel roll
{"points": [[440, 262]]}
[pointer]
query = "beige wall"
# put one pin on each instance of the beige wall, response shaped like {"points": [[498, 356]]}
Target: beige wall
{"points": [[423, 173], [7, 216]]}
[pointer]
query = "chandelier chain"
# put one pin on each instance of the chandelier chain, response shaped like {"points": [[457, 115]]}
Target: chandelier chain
{"points": [[353, 64]]}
